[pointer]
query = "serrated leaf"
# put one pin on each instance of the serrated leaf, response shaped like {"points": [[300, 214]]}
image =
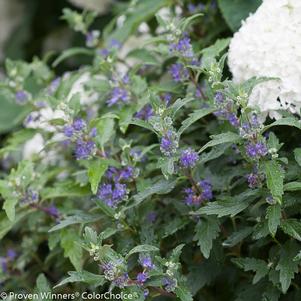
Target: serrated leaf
{"points": [[230, 205], [206, 231], [96, 170], [286, 265], [183, 294], [237, 237], [275, 176], [160, 187], [69, 239], [292, 227], [292, 186], [142, 249], [227, 137], [288, 121], [260, 267], [273, 216], [85, 277], [81, 218], [193, 117]]}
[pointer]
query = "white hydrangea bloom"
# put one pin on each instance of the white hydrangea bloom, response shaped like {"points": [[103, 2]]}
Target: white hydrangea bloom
{"points": [[269, 44], [33, 146]]}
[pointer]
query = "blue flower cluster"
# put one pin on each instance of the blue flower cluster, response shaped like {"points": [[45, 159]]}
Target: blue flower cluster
{"points": [[188, 158], [202, 191], [78, 132]]}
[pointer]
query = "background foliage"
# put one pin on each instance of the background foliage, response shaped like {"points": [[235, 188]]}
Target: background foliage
{"points": [[205, 196]]}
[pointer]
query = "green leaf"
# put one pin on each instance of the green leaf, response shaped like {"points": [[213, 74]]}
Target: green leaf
{"points": [[105, 208], [183, 294], [141, 12], [260, 267], [11, 114], [105, 129], [234, 11], [96, 170], [142, 249], [292, 227], [72, 52], [144, 56], [85, 277], [288, 121], [10, 199], [193, 117], [143, 124], [286, 265], [231, 205], [273, 216], [206, 231], [6, 225], [65, 189], [297, 154], [275, 176], [292, 186], [69, 240], [82, 218], [227, 137], [210, 53], [160, 187], [43, 286], [237, 237]]}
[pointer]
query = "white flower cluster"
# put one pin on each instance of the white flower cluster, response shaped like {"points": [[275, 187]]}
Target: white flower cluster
{"points": [[269, 44]]}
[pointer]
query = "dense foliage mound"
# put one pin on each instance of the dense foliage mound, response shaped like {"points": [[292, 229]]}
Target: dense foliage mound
{"points": [[146, 171]]}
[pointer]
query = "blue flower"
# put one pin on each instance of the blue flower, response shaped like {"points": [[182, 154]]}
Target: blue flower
{"points": [[118, 94], [179, 72], [142, 277], [84, 149], [21, 97], [188, 158], [145, 113], [169, 143]]}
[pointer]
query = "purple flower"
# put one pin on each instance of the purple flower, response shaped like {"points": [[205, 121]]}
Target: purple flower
{"points": [[256, 150], [169, 143], [146, 262], [3, 264], [206, 190], [178, 72], [167, 98], [219, 98], [84, 149], [110, 195], [126, 173], [54, 85], [11, 254], [79, 124], [121, 281], [118, 94], [192, 8], [169, 284], [233, 119], [145, 113], [197, 196], [92, 38], [115, 44], [68, 131], [151, 217], [93, 132], [53, 211], [183, 47], [142, 277], [21, 97], [188, 158], [253, 180]]}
